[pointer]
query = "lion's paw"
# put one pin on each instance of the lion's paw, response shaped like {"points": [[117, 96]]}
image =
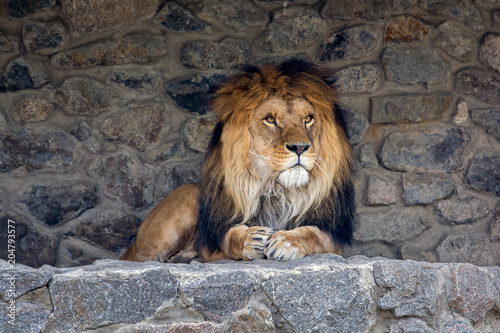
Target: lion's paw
{"points": [[281, 247], [255, 242]]}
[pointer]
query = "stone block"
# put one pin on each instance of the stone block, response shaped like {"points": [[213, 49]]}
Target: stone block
{"points": [[194, 93], [32, 109], [362, 9], [137, 48], [494, 227], [139, 125], [458, 326], [320, 301], [136, 80], [411, 64], [408, 108], [122, 294], [180, 20], [351, 43], [176, 327], [173, 176], [474, 248], [479, 84], [470, 291], [489, 52], [86, 135], [455, 40], [83, 96], [21, 74], [484, 174], [252, 319], [358, 79], [226, 54], [29, 318], [435, 149], [366, 156], [393, 226], [488, 119], [357, 125], [464, 11], [462, 210], [95, 15], [8, 43], [44, 38], [43, 151], [380, 192], [406, 29], [18, 8], [410, 288], [410, 325], [198, 132], [293, 29], [25, 279], [237, 15], [425, 189]]}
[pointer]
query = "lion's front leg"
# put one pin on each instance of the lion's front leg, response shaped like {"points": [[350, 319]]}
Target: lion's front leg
{"points": [[287, 245], [246, 243]]}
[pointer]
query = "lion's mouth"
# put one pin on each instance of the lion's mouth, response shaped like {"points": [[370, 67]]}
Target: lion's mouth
{"points": [[295, 176]]}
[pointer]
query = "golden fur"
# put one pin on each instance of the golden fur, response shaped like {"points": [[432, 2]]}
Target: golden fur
{"points": [[276, 181]]}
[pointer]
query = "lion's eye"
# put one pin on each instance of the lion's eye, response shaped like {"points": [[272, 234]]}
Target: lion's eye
{"points": [[309, 120], [270, 120]]}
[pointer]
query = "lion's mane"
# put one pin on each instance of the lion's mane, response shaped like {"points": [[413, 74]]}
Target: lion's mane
{"points": [[231, 193]]}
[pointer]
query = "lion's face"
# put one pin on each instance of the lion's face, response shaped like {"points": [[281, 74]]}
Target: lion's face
{"points": [[285, 143]]}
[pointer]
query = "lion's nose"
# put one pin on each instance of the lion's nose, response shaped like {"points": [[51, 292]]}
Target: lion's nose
{"points": [[298, 149]]}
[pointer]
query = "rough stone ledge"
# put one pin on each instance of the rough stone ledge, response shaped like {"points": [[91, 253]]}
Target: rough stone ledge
{"points": [[320, 293]]}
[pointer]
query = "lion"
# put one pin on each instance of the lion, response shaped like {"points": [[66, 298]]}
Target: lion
{"points": [[276, 181]]}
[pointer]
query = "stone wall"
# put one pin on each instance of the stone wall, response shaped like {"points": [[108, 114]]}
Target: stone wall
{"points": [[104, 112], [321, 293]]}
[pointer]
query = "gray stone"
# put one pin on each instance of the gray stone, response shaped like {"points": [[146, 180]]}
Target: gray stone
{"points": [[380, 192], [42, 151], [415, 252], [425, 189], [484, 174], [135, 48], [358, 79], [357, 125], [406, 29], [462, 210], [470, 291], [44, 38], [458, 326], [122, 293], [2, 119], [488, 119], [83, 96], [28, 318], [84, 133], [366, 156], [139, 125], [194, 93], [180, 20], [18, 9], [489, 53], [173, 176], [57, 204], [8, 43], [198, 132], [479, 84], [123, 178], [23, 74], [455, 40], [141, 81], [362, 9], [218, 295], [462, 112], [436, 149], [410, 288], [494, 227], [351, 43], [235, 14], [410, 325], [32, 109], [303, 302], [411, 64], [112, 230], [226, 54], [25, 279], [176, 327], [163, 152], [392, 226], [95, 15], [474, 248], [465, 11], [252, 319], [292, 29], [408, 108]]}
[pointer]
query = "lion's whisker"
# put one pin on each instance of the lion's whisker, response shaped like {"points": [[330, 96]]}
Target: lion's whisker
{"points": [[263, 157]]}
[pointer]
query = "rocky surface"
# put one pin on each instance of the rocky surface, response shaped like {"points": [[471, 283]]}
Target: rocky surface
{"points": [[105, 112], [320, 293]]}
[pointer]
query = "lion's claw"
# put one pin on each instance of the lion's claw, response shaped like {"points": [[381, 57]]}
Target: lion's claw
{"points": [[255, 242], [282, 249]]}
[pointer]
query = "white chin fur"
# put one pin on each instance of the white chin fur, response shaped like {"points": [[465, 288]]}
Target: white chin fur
{"points": [[296, 176]]}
